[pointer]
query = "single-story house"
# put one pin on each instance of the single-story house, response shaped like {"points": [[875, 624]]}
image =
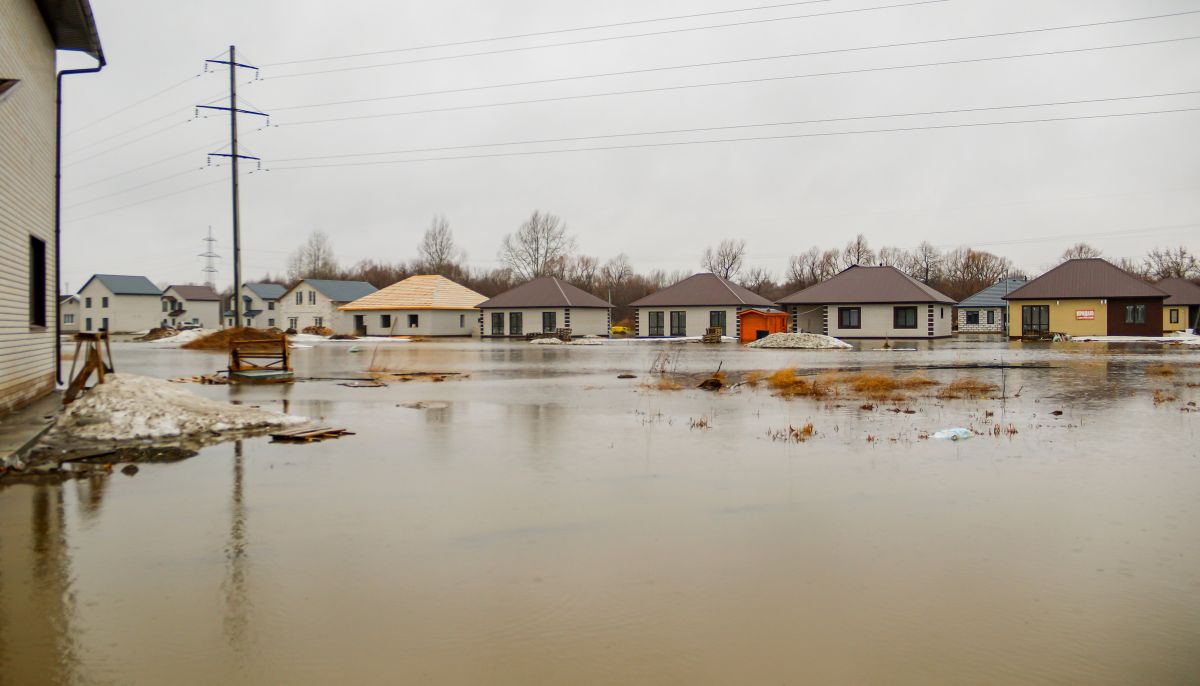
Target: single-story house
{"points": [[758, 323], [315, 302], [119, 303], [260, 305], [544, 305], [1181, 309], [31, 33], [987, 311], [1086, 297], [692, 306], [191, 306], [68, 313], [870, 302], [422, 305]]}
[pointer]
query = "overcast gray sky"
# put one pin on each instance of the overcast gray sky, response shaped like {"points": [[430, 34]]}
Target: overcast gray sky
{"points": [[1116, 182]]}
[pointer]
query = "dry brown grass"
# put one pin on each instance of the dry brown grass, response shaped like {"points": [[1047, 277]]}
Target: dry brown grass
{"points": [[663, 383], [1160, 370], [753, 378], [793, 434], [223, 339], [967, 388], [787, 384]]}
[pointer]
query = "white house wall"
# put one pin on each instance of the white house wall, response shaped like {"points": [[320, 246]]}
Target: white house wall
{"points": [[877, 321], [982, 327], [69, 316], [125, 313], [582, 321], [26, 202], [429, 322], [696, 320], [306, 313]]}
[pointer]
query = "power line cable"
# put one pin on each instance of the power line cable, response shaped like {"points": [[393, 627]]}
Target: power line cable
{"points": [[741, 126], [744, 60], [741, 140], [605, 39], [151, 199], [110, 177], [543, 33], [156, 132], [712, 84], [131, 105], [193, 170]]}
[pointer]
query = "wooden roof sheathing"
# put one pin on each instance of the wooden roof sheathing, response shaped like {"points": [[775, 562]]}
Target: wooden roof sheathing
{"points": [[421, 292]]}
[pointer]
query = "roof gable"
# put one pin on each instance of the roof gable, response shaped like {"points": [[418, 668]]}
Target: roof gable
{"points": [[339, 291], [121, 284], [993, 295], [867, 285], [701, 290], [265, 291], [546, 291], [1179, 292], [420, 292], [1085, 278], [197, 293]]}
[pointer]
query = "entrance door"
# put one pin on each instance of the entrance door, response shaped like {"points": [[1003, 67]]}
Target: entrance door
{"points": [[1035, 320], [360, 325]]}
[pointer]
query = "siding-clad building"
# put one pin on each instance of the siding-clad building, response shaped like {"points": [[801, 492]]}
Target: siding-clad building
{"points": [[987, 311], [870, 302], [119, 303], [191, 306], [1086, 297], [544, 305], [315, 302], [30, 33], [1181, 309], [690, 307], [260, 306], [68, 314], [422, 305]]}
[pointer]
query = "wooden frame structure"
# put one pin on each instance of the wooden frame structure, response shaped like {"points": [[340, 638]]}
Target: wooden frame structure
{"points": [[94, 362], [260, 360]]}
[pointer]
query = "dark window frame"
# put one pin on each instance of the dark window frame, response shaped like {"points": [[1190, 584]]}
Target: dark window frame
{"points": [[385, 321], [414, 321], [847, 313], [516, 323], [718, 319], [497, 323], [901, 312], [971, 317], [1174, 315], [678, 323], [991, 316], [1135, 314], [549, 322], [1039, 324], [656, 323], [38, 273]]}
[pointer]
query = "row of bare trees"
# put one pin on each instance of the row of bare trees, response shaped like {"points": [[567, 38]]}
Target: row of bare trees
{"points": [[543, 246]]}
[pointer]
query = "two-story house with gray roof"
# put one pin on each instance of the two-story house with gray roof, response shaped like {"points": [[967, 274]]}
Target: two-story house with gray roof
{"points": [[119, 303], [315, 302], [260, 306], [191, 306]]}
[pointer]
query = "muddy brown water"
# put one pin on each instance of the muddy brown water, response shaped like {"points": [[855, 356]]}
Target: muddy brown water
{"points": [[543, 522]]}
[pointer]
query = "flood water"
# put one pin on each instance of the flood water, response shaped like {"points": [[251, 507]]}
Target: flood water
{"points": [[543, 522]]}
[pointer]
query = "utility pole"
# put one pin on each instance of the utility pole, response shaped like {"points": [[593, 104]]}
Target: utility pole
{"points": [[234, 156]]}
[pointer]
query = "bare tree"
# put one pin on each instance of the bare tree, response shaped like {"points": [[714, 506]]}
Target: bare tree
{"points": [[1079, 251], [313, 260], [1179, 263], [927, 263], [437, 252], [726, 259], [583, 271], [616, 271], [758, 280], [893, 257], [540, 247], [859, 252]]}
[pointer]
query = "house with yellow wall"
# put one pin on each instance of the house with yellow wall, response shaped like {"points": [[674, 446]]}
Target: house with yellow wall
{"points": [[1181, 309], [1086, 297]]}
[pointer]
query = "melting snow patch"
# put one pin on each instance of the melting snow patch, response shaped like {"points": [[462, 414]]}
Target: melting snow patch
{"points": [[810, 341], [127, 406]]}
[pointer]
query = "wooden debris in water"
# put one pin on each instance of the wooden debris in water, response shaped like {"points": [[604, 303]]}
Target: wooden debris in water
{"points": [[309, 434]]}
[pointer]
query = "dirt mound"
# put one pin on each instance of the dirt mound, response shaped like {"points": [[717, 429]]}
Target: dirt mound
{"points": [[223, 339], [158, 333], [318, 330]]}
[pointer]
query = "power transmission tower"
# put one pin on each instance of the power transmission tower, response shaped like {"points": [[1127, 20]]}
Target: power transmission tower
{"points": [[233, 156], [210, 260]]}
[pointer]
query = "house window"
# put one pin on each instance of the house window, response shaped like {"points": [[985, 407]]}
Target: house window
{"points": [[299, 297], [385, 320], [973, 316], [196, 321], [654, 323], [991, 316], [1035, 319], [87, 302], [37, 281], [904, 317], [166, 306], [413, 321], [497, 323], [1174, 316], [516, 323], [1135, 314], [849, 317], [462, 320], [104, 324], [678, 323], [716, 320], [87, 324], [317, 321], [249, 321], [229, 322], [293, 322], [104, 301], [312, 297], [271, 323], [271, 305], [549, 322], [68, 319]]}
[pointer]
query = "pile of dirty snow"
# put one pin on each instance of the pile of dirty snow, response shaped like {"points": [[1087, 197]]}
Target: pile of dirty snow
{"points": [[807, 341], [127, 406], [576, 341], [1178, 337], [177, 339]]}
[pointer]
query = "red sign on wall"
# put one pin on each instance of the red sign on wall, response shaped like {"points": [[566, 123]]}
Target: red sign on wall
{"points": [[1085, 314]]}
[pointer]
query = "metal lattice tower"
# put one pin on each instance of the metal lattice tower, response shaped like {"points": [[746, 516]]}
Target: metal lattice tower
{"points": [[210, 260]]}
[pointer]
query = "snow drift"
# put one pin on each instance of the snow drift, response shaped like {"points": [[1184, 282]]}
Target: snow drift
{"points": [[808, 341]]}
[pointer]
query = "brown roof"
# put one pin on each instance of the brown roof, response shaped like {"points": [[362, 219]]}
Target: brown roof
{"points": [[421, 292], [196, 292], [1085, 278], [545, 292], [867, 285], [702, 290], [1180, 292]]}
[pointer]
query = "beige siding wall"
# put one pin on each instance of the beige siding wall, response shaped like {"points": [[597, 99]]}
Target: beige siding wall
{"points": [[69, 316], [125, 313], [1063, 316], [429, 322], [26, 201], [307, 312], [696, 319]]}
